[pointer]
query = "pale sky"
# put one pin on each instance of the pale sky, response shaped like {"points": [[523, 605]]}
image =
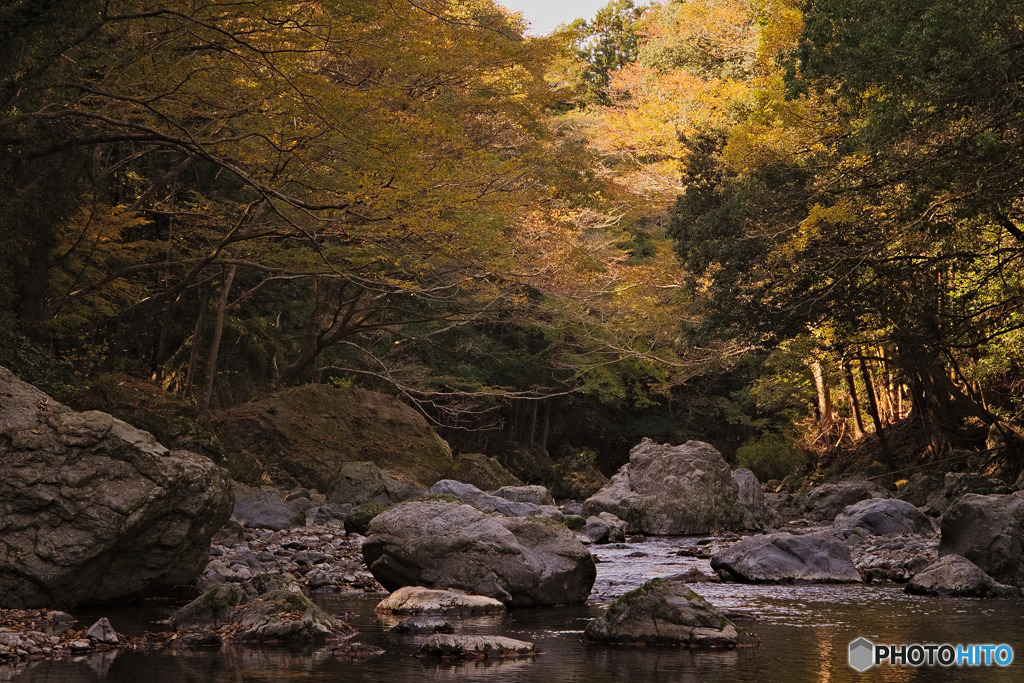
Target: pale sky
{"points": [[545, 15]]}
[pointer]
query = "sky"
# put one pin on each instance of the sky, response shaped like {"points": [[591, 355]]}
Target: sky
{"points": [[545, 15]]}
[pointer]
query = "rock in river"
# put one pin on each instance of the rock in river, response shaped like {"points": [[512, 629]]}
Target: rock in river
{"points": [[957, 576], [663, 612], [786, 558], [672, 490], [824, 502], [92, 509], [417, 600], [884, 517], [517, 560]]}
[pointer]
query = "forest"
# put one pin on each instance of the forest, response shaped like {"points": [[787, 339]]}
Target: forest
{"points": [[791, 228]]}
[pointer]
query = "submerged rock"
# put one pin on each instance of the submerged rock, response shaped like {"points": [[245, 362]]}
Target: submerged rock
{"points": [[423, 625], [517, 560], [93, 509], [786, 558], [957, 576], [664, 612], [474, 647], [672, 490]]}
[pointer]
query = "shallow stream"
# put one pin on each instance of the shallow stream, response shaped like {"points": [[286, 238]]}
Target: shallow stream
{"points": [[804, 633]]}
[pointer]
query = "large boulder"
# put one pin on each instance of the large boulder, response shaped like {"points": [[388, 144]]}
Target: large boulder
{"points": [[957, 484], [786, 558], [663, 612], [824, 502], [674, 490], [365, 482], [302, 435], [957, 576], [884, 517], [93, 509], [757, 515], [467, 493], [988, 531], [517, 560]]}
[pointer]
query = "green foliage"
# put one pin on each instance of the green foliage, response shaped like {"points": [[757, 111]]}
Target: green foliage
{"points": [[605, 44], [772, 456]]}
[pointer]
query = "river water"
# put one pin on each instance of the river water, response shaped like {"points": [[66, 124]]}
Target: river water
{"points": [[804, 633]]}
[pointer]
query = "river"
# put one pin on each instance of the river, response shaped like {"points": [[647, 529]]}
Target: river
{"points": [[804, 633]]}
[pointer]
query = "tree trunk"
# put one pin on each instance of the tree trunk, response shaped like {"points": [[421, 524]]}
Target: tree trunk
{"points": [[869, 389], [218, 332], [851, 386], [824, 397], [197, 339]]}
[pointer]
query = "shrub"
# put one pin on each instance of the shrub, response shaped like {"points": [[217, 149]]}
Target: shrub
{"points": [[771, 456]]}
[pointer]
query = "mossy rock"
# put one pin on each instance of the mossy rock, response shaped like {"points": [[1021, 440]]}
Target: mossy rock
{"points": [[300, 437], [358, 520], [172, 419], [213, 608], [487, 474], [664, 612]]}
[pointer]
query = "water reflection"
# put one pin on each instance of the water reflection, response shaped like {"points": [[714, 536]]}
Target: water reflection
{"points": [[804, 633]]}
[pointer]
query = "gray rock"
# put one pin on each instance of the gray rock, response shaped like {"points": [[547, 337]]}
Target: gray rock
{"points": [[538, 495], [467, 493], [672, 490], [957, 576], [824, 502], [103, 632], [884, 517], [664, 612], [365, 482], [757, 515], [267, 510], [603, 528], [93, 509], [327, 513], [919, 487], [517, 560], [786, 558], [989, 531], [474, 647]]}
